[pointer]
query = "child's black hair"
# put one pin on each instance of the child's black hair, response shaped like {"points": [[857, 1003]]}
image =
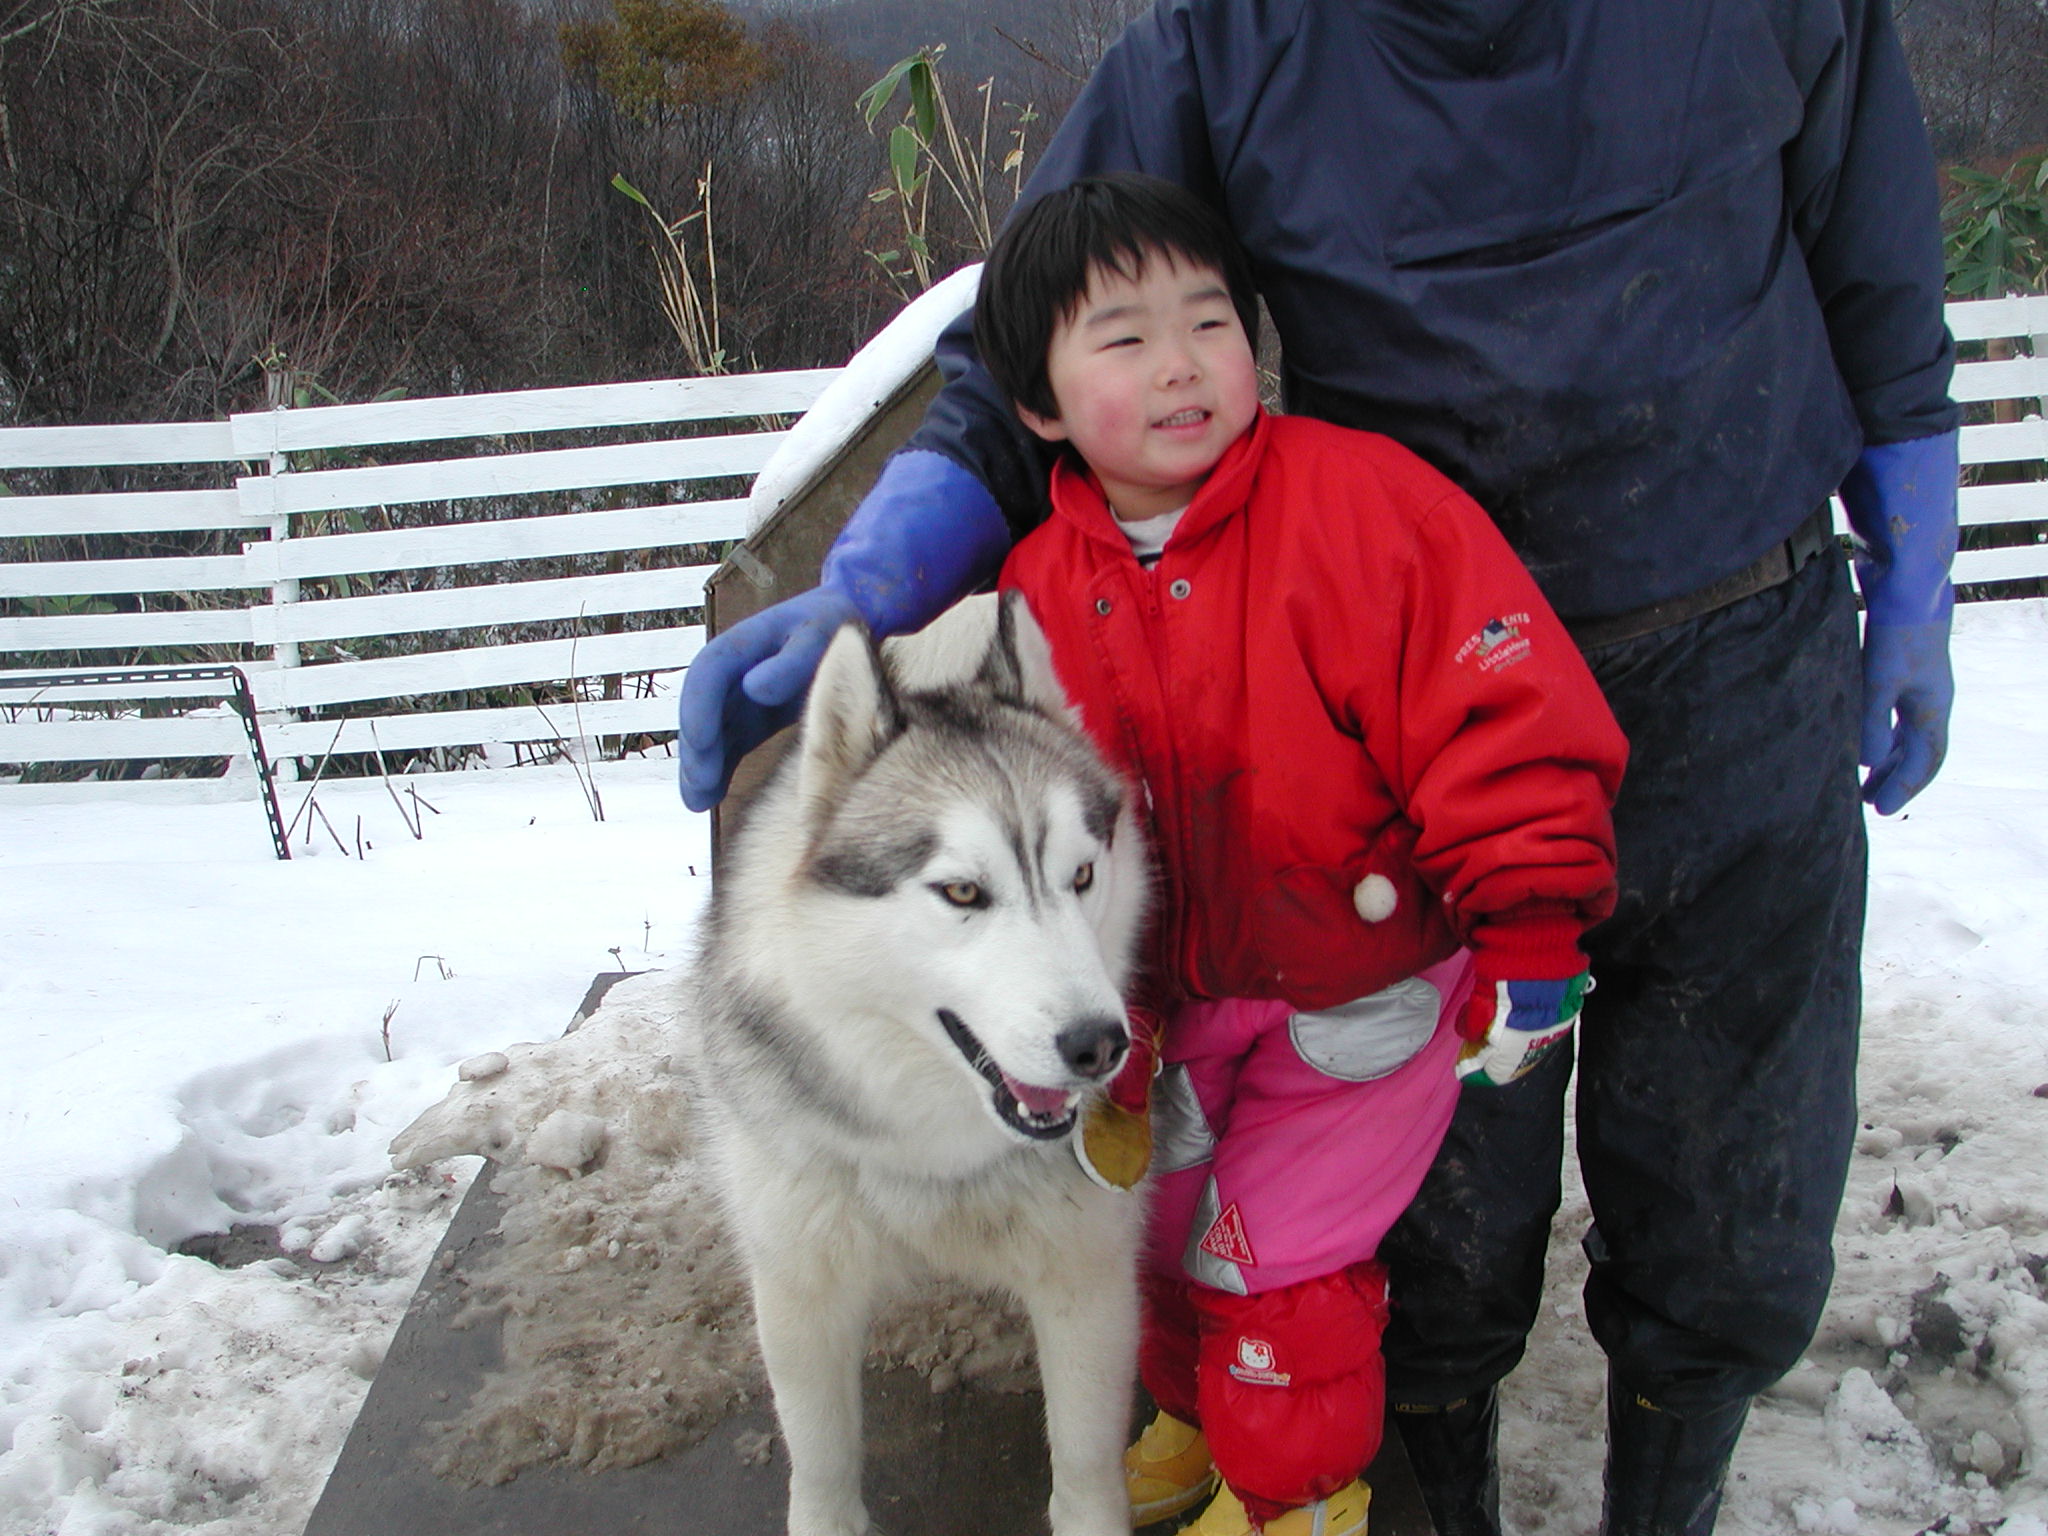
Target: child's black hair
{"points": [[1038, 270]]}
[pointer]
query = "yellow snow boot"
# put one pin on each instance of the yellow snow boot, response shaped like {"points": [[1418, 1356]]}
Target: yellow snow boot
{"points": [[1343, 1513], [1168, 1471]]}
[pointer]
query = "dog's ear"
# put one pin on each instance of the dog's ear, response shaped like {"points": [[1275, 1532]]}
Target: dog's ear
{"points": [[850, 716], [1018, 667]]}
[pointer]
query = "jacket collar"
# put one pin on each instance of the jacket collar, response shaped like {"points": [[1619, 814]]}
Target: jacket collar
{"points": [[1077, 495]]}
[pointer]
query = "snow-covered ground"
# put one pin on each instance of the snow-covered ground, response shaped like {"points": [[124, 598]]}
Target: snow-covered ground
{"points": [[195, 1036]]}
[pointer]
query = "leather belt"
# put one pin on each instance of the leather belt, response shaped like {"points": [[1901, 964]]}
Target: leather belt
{"points": [[1778, 564]]}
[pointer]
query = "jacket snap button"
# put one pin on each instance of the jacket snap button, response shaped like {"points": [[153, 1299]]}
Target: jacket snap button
{"points": [[1180, 588], [1102, 605]]}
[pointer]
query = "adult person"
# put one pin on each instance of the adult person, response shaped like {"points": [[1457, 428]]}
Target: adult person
{"points": [[1649, 279]]}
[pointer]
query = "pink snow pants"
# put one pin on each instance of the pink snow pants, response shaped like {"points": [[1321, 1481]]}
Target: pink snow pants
{"points": [[1286, 1143]]}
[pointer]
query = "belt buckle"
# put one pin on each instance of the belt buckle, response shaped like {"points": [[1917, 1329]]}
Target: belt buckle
{"points": [[1810, 539]]}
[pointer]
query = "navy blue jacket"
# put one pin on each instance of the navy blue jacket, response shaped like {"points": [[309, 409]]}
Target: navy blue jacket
{"points": [[1642, 276]]}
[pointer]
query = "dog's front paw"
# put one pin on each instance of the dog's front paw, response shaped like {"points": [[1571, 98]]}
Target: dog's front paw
{"points": [[821, 1516]]}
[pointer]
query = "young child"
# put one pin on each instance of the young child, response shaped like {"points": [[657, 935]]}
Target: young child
{"points": [[1377, 778]]}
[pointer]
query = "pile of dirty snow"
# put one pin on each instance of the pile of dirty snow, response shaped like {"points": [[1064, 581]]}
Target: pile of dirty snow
{"points": [[626, 1326]]}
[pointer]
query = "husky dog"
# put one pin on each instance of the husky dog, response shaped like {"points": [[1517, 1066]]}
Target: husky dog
{"points": [[911, 988]]}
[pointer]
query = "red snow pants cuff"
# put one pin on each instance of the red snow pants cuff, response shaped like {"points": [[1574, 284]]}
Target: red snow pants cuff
{"points": [[1291, 1386]]}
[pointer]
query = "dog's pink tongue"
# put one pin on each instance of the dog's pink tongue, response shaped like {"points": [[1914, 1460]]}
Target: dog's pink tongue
{"points": [[1036, 1101]]}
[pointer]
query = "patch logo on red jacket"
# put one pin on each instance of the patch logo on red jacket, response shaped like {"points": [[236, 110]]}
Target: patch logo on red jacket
{"points": [[1500, 643], [1225, 1238], [1255, 1363]]}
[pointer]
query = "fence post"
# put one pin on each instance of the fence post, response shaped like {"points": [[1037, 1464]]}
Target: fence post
{"points": [[2039, 315], [277, 391]]}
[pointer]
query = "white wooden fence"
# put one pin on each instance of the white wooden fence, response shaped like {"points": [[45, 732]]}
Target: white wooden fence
{"points": [[2020, 385], [293, 526], [248, 607]]}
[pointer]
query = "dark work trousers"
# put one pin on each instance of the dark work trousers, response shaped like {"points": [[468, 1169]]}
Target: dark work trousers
{"points": [[1717, 1054]]}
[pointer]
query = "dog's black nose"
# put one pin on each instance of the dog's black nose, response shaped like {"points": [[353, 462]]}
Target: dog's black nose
{"points": [[1094, 1047]]}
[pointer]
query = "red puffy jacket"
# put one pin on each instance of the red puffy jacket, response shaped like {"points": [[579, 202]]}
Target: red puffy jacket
{"points": [[1338, 670]]}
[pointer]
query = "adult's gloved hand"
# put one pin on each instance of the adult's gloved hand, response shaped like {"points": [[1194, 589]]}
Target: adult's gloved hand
{"points": [[749, 683], [1901, 500], [1510, 1026], [926, 534]]}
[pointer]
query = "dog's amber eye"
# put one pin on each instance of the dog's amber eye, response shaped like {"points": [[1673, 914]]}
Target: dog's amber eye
{"points": [[1084, 877], [962, 893]]}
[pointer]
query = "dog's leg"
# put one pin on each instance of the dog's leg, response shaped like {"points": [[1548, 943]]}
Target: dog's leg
{"points": [[1085, 1317], [811, 1304]]}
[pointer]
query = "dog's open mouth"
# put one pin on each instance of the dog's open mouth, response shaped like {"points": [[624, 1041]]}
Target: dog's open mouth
{"points": [[1043, 1114]]}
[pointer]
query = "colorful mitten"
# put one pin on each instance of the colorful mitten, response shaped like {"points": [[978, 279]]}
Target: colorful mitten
{"points": [[1509, 1026]]}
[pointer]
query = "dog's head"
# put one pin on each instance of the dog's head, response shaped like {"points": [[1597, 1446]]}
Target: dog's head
{"points": [[979, 870]]}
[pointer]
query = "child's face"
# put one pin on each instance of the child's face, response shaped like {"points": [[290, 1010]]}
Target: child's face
{"points": [[1154, 378]]}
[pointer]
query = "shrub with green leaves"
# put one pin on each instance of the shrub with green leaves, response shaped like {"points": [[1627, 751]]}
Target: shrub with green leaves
{"points": [[1995, 230]]}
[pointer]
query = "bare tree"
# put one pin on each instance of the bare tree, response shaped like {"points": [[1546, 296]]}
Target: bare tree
{"points": [[197, 195], [1981, 67], [1073, 39]]}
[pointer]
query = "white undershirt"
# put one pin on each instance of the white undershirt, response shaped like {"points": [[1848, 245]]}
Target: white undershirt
{"points": [[1148, 535]]}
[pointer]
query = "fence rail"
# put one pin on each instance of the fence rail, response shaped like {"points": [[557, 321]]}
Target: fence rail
{"points": [[2003, 503], [539, 574]]}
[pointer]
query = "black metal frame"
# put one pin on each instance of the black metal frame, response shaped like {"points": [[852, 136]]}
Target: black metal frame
{"points": [[237, 694]]}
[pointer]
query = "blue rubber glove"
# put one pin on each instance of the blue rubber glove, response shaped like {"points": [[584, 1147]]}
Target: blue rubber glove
{"points": [[927, 534], [1901, 500], [1510, 1026], [774, 653]]}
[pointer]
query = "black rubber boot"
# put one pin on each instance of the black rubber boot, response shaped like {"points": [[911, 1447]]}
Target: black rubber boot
{"points": [[1665, 1473], [1454, 1452]]}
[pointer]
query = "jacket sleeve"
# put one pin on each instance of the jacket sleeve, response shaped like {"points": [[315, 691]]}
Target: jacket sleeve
{"points": [[1142, 110], [1861, 189], [1507, 757]]}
